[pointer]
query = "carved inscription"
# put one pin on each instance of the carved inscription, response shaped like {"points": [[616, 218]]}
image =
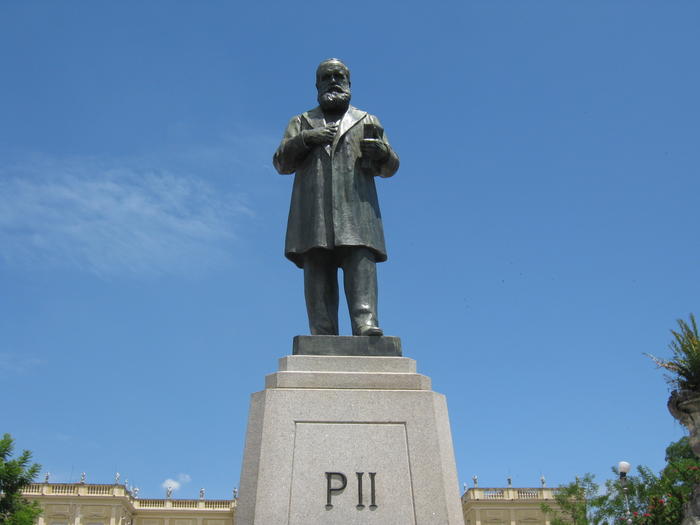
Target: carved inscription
{"points": [[337, 482], [330, 489]]}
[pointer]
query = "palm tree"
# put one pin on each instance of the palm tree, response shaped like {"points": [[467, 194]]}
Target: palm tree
{"points": [[684, 403], [684, 366]]}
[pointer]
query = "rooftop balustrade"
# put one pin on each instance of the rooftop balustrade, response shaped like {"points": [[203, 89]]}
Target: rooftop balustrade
{"points": [[89, 490], [509, 493]]}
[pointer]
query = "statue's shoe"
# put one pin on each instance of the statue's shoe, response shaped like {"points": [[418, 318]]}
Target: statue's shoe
{"points": [[371, 330]]}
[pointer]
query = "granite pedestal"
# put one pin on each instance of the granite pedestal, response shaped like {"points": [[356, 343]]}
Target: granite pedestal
{"points": [[348, 440]]}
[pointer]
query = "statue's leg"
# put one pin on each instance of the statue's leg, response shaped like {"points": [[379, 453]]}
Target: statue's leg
{"points": [[321, 291], [360, 279]]}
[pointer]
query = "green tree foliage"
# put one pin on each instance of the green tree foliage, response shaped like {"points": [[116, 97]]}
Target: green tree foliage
{"points": [[684, 365], [15, 474], [651, 499], [576, 502]]}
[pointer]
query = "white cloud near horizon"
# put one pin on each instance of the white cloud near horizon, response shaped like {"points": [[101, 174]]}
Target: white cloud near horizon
{"points": [[176, 484], [112, 219]]}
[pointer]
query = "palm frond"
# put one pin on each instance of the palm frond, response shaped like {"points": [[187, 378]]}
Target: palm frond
{"points": [[684, 366]]}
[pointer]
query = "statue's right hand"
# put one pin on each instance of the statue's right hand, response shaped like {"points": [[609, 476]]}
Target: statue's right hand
{"points": [[319, 136]]}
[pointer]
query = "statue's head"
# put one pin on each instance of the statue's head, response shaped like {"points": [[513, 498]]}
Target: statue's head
{"points": [[333, 85]]}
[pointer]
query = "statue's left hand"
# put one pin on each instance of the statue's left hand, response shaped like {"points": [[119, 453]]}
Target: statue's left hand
{"points": [[374, 149]]}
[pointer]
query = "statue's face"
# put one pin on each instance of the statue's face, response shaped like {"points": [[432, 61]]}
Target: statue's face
{"points": [[333, 85], [333, 78]]}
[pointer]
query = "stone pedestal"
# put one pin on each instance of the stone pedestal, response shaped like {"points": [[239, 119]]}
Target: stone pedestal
{"points": [[348, 440]]}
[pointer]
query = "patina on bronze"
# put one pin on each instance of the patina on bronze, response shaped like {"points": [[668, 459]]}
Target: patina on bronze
{"points": [[336, 151]]}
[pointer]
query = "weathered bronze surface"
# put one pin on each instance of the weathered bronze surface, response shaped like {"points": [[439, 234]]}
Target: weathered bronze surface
{"points": [[336, 151], [345, 345]]}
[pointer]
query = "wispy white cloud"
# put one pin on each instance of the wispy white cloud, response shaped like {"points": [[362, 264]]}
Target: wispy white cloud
{"points": [[110, 219], [176, 484], [17, 364]]}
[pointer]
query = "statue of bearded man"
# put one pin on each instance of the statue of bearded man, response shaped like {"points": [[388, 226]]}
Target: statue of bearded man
{"points": [[336, 152]]}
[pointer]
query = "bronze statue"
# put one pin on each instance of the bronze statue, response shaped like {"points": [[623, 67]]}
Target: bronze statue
{"points": [[336, 151]]}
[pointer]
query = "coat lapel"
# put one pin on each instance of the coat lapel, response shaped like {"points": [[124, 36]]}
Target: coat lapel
{"points": [[352, 116], [315, 119]]}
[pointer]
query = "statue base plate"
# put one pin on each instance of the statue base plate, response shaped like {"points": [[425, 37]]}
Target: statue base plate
{"points": [[358, 345]]}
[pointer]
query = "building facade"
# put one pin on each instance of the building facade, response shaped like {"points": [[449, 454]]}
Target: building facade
{"points": [[507, 506], [93, 504], [97, 504]]}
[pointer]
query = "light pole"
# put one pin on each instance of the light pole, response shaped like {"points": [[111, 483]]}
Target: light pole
{"points": [[623, 468]]}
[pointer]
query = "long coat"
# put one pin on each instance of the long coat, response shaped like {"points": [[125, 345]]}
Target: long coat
{"points": [[334, 199]]}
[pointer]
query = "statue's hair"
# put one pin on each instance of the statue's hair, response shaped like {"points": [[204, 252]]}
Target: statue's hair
{"points": [[332, 61]]}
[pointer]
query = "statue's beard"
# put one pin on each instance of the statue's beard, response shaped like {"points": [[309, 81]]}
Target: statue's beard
{"points": [[335, 100]]}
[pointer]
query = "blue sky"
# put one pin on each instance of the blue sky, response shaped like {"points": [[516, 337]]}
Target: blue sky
{"points": [[542, 229]]}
